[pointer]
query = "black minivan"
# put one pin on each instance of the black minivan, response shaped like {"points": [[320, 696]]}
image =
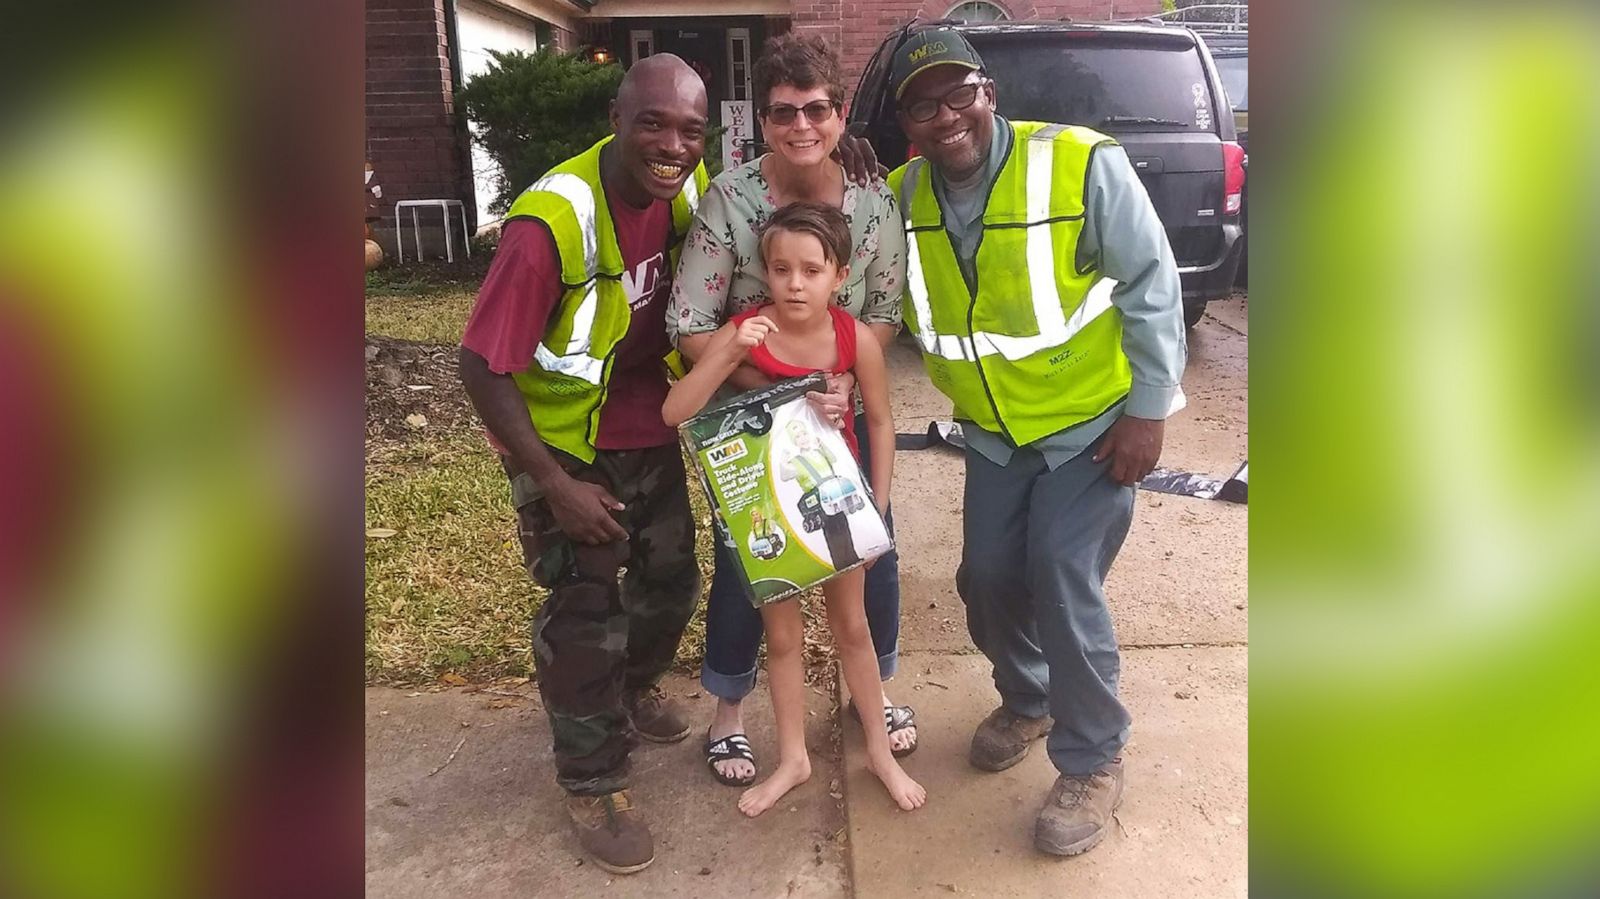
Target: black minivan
{"points": [[1152, 87]]}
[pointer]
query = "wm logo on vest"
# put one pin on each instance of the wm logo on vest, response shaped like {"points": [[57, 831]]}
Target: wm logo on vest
{"points": [[728, 452], [641, 283]]}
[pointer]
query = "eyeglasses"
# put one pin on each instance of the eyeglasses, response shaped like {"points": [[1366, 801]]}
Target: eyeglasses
{"points": [[817, 111], [958, 99]]}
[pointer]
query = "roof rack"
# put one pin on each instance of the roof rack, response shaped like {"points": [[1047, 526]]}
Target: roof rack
{"points": [[1205, 17]]}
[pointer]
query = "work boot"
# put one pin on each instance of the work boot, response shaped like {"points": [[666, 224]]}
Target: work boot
{"points": [[612, 831], [655, 717], [1078, 811], [1003, 739]]}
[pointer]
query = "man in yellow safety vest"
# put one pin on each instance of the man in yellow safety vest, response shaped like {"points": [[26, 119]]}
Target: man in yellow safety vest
{"points": [[1046, 301], [564, 359]]}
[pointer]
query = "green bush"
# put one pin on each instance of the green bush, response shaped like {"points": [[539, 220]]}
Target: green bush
{"points": [[713, 157], [534, 110]]}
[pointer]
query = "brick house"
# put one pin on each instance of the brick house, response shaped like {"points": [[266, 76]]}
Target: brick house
{"points": [[418, 51]]}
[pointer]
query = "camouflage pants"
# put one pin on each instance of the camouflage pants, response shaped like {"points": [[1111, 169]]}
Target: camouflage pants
{"points": [[596, 639]]}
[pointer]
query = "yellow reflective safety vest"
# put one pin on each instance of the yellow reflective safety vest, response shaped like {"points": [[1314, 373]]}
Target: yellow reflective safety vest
{"points": [[1037, 348], [809, 468], [565, 387]]}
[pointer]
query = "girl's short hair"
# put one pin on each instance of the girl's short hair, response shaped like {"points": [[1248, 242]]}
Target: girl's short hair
{"points": [[825, 223], [804, 62]]}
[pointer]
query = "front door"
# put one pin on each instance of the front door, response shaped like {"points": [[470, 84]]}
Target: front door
{"points": [[705, 50]]}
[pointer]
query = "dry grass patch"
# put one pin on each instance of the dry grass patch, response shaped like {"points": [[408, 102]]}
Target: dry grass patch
{"points": [[447, 593], [430, 319]]}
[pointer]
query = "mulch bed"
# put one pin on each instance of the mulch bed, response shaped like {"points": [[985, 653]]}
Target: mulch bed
{"points": [[406, 378]]}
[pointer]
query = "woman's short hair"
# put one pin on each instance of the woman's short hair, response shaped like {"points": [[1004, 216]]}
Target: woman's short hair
{"points": [[825, 223], [802, 61]]}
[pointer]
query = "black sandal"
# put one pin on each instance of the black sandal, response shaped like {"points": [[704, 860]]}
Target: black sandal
{"points": [[734, 747], [895, 718]]}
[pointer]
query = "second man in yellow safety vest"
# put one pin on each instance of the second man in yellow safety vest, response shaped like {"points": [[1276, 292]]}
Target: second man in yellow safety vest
{"points": [[1045, 299]]}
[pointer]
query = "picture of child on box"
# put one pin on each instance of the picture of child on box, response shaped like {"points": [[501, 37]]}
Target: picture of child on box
{"points": [[804, 247], [826, 499], [766, 540]]}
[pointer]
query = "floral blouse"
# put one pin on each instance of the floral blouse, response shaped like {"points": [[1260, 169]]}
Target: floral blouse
{"points": [[720, 273]]}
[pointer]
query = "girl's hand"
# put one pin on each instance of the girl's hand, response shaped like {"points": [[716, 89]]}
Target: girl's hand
{"points": [[753, 332]]}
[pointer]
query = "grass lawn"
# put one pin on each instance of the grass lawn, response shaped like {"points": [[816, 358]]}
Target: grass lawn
{"points": [[446, 592], [427, 302]]}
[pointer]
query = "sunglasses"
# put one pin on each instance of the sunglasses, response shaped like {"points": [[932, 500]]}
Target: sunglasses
{"points": [[817, 111], [958, 99]]}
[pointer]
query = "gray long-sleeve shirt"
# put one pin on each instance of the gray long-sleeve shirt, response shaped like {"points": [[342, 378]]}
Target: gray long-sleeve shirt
{"points": [[1126, 241]]}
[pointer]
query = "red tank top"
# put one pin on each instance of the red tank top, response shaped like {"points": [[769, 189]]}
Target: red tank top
{"points": [[844, 338]]}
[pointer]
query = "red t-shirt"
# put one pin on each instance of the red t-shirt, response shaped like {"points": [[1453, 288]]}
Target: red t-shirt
{"points": [[523, 288], [844, 340]]}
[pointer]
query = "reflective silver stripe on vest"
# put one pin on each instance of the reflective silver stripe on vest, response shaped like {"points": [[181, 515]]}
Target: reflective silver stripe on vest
{"points": [[916, 283], [583, 320], [572, 188], [577, 365], [1095, 302], [691, 193], [1041, 261], [1055, 327]]}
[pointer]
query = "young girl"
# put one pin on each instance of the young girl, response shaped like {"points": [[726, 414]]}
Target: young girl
{"points": [[804, 247]]}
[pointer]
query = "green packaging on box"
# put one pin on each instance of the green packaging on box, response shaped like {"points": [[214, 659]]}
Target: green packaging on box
{"points": [[789, 500]]}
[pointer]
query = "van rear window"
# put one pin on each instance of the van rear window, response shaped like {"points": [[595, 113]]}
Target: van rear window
{"points": [[1146, 88], [1235, 72]]}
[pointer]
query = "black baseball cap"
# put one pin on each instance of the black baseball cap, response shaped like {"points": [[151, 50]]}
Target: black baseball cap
{"points": [[928, 48]]}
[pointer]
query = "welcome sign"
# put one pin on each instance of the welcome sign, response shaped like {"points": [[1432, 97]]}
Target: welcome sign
{"points": [[788, 499]]}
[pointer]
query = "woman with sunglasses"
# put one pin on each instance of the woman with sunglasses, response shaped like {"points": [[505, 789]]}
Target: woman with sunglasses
{"points": [[800, 99]]}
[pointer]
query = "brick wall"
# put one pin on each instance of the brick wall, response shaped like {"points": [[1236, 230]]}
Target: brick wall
{"points": [[417, 148], [856, 27]]}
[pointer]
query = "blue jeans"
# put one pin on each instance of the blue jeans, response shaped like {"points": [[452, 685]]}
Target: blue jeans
{"points": [[733, 625]]}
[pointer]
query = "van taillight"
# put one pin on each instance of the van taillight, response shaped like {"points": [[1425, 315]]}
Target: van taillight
{"points": [[1232, 177]]}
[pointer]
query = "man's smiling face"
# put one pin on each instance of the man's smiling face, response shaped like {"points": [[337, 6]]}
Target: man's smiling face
{"points": [[955, 140], [660, 123]]}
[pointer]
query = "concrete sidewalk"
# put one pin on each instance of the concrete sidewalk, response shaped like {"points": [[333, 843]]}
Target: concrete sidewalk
{"points": [[1181, 824], [489, 822]]}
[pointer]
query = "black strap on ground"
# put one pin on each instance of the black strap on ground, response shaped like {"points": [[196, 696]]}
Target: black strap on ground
{"points": [[940, 433], [1181, 483], [1234, 489]]}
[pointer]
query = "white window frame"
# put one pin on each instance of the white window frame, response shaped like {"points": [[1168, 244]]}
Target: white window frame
{"points": [[1004, 15], [739, 85], [635, 38]]}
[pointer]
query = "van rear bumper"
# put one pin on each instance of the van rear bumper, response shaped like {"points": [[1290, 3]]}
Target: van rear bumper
{"points": [[1214, 280]]}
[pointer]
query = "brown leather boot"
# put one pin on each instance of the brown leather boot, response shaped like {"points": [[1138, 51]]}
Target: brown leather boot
{"points": [[1078, 811], [655, 717], [612, 831], [1003, 739]]}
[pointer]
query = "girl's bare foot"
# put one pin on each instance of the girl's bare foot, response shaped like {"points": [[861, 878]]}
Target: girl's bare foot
{"points": [[766, 794], [906, 793]]}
